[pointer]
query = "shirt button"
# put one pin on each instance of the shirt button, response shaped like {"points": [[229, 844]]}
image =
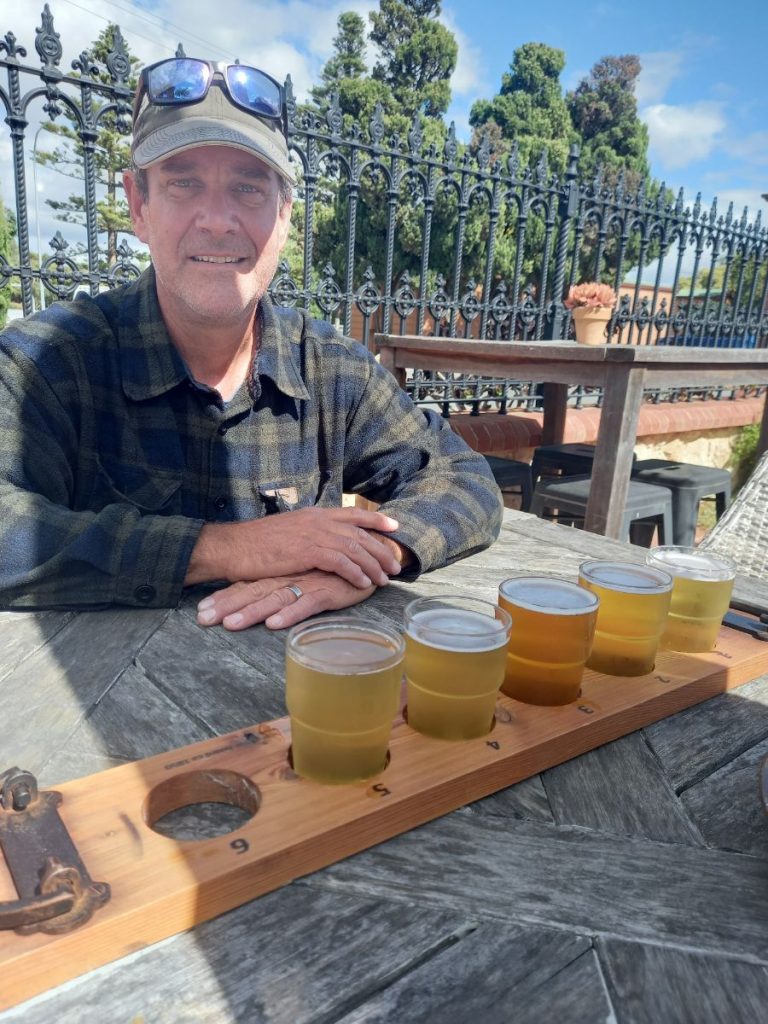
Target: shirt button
{"points": [[145, 593], [220, 503], [223, 429]]}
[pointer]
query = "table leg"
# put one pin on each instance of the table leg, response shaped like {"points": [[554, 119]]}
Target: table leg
{"points": [[387, 359], [555, 409], [762, 444], [616, 438]]}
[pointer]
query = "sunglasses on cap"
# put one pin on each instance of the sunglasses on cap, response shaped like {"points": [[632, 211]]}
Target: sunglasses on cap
{"points": [[180, 80]]}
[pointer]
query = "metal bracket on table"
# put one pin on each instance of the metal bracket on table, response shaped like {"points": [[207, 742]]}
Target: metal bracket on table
{"points": [[56, 893], [757, 628]]}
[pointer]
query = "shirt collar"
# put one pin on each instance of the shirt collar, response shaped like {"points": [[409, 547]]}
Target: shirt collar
{"points": [[151, 365]]}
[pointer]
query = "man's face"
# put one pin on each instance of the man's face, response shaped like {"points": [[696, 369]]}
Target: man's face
{"points": [[215, 230]]}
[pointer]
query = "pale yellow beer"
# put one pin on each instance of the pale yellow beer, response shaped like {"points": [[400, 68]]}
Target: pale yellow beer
{"points": [[552, 633], [701, 593], [342, 688], [634, 600], [455, 651]]}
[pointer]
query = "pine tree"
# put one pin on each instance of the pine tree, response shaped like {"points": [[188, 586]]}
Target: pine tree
{"points": [[417, 55], [348, 60], [346, 75], [614, 139], [529, 108], [603, 108], [112, 156]]}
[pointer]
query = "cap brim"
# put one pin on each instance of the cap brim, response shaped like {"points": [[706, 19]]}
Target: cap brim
{"points": [[192, 132]]}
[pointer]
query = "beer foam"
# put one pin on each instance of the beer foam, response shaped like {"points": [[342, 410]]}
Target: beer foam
{"points": [[545, 593], [626, 576], [454, 629], [697, 565], [344, 651]]}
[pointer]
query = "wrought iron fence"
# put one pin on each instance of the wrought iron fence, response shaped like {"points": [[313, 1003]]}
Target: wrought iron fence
{"points": [[581, 223]]}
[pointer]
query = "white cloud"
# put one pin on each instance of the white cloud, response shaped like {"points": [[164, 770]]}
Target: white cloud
{"points": [[680, 135], [293, 37], [752, 148], [741, 197], [468, 78], [659, 70]]}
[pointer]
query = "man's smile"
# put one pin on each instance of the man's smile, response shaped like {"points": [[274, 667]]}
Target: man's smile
{"points": [[218, 259]]}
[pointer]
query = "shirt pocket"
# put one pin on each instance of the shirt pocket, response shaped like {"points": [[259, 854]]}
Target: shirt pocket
{"points": [[321, 488], [144, 487]]}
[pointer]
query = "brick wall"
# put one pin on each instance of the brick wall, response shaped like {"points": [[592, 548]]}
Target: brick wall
{"points": [[699, 432]]}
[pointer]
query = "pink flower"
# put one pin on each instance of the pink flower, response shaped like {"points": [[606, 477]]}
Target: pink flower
{"points": [[591, 294]]}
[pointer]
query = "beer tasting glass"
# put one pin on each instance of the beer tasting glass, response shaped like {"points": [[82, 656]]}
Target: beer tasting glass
{"points": [[455, 651], [342, 688], [554, 624], [634, 600], [701, 593]]}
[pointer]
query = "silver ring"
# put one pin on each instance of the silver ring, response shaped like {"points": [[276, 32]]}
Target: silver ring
{"points": [[294, 589]]}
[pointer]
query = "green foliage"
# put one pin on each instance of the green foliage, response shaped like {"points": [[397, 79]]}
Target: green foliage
{"points": [[398, 94], [7, 236], [529, 108], [418, 55], [603, 109], [744, 453], [345, 75], [530, 112], [604, 113], [112, 156], [348, 61], [745, 282]]}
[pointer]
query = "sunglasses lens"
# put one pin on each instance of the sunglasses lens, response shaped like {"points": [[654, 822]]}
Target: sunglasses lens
{"points": [[254, 91], [178, 81]]}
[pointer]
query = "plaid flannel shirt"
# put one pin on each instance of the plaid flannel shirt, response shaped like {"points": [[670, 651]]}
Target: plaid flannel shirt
{"points": [[112, 457]]}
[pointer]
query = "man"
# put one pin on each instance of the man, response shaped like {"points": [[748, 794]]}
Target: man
{"points": [[183, 430]]}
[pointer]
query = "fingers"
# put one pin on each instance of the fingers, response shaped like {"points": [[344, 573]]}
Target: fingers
{"points": [[370, 520], [270, 601], [361, 559], [350, 542], [213, 609]]}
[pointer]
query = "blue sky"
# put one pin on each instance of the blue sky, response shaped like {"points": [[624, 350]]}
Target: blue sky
{"points": [[702, 90]]}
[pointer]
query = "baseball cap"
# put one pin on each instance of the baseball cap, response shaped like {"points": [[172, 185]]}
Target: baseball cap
{"points": [[159, 131]]}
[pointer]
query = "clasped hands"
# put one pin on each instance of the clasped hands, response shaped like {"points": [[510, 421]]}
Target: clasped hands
{"points": [[290, 566]]}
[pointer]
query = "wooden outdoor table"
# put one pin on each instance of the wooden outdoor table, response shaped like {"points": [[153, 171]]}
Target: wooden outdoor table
{"points": [[623, 371], [628, 884]]}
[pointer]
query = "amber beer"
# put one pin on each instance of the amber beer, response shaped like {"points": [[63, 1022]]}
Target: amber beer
{"points": [[701, 593], [554, 624], [634, 600], [455, 651], [342, 688]]}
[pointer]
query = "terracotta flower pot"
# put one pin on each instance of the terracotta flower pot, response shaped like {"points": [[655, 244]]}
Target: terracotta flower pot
{"points": [[590, 324]]}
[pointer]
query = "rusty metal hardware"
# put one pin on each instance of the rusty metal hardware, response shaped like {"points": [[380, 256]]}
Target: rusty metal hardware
{"points": [[56, 893]]}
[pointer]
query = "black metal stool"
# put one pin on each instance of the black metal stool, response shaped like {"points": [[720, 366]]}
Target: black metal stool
{"points": [[565, 459], [562, 460], [571, 493], [688, 484], [510, 474]]}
